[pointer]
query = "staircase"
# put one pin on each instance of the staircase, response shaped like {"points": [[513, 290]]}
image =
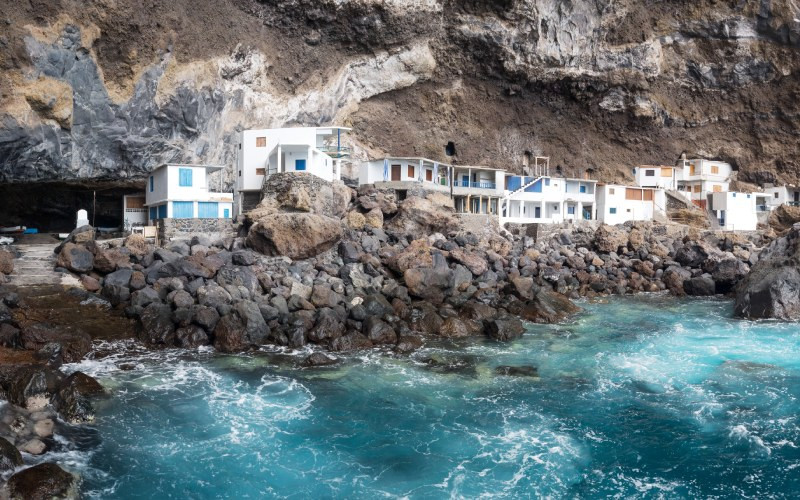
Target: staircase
{"points": [[520, 189], [35, 266]]}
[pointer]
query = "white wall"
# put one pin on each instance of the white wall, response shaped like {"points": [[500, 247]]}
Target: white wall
{"points": [[663, 177], [160, 190], [613, 197], [737, 210], [133, 216]]}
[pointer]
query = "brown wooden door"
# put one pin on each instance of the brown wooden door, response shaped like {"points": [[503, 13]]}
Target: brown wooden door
{"points": [[396, 172], [429, 175]]}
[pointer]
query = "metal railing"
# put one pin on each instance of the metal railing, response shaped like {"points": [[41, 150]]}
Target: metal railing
{"points": [[335, 151], [479, 185]]}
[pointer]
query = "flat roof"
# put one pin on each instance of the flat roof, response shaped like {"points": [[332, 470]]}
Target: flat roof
{"points": [[207, 167], [418, 158]]}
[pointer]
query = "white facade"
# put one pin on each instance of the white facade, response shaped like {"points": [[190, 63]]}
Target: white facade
{"points": [[778, 195], [547, 199], [617, 204], [316, 150], [658, 176], [735, 211], [134, 212], [184, 191], [475, 189]]}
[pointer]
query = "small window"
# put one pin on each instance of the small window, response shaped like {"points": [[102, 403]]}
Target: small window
{"points": [[748, 196], [546, 181], [261, 171], [697, 188], [571, 210], [583, 189], [240, 173], [776, 195], [714, 169], [650, 173], [610, 190], [151, 186], [240, 146], [629, 210], [734, 195], [612, 210], [261, 142], [185, 177]]}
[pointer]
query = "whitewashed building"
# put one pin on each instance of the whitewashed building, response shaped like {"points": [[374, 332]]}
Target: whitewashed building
{"points": [[694, 179], [475, 189], [134, 211], [185, 192], [735, 211], [658, 176], [617, 204], [315, 150], [779, 195], [546, 199]]}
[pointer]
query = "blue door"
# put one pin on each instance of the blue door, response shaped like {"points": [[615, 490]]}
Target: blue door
{"points": [[182, 209], [299, 164], [537, 212], [207, 209], [153, 213], [162, 211], [226, 213], [465, 180]]}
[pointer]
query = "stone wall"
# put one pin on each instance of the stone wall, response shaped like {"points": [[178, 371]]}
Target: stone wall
{"points": [[184, 229]]}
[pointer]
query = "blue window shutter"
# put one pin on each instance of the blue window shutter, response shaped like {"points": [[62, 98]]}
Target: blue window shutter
{"points": [[185, 177], [183, 209], [153, 212], [612, 210], [583, 189], [162, 211], [151, 183], [207, 210]]}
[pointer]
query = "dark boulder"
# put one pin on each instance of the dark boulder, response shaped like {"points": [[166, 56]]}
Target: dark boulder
{"points": [[319, 359], [327, 328], [700, 286], [10, 457], [191, 336], [43, 482], [156, 326], [75, 258], [548, 306], [72, 401], [517, 371], [378, 331], [351, 341], [504, 329], [75, 344], [29, 386]]}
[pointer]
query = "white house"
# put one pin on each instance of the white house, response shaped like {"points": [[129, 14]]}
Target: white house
{"points": [[547, 199], [184, 192], [735, 211], [475, 189], [658, 176], [778, 195], [316, 150], [617, 204]]}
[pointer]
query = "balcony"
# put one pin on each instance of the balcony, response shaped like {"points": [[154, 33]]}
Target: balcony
{"points": [[336, 151], [478, 185]]}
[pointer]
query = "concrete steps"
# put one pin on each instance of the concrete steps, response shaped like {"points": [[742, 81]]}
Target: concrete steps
{"points": [[35, 266]]}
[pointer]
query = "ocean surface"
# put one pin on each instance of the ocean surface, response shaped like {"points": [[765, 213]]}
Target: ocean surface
{"points": [[643, 397]]}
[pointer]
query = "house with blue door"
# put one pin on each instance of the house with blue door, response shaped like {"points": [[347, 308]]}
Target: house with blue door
{"points": [[262, 152], [547, 199], [177, 191]]}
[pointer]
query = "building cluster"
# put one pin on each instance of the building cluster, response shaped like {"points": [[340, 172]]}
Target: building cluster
{"points": [[535, 196]]}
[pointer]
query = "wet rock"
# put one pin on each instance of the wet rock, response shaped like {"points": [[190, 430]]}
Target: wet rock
{"points": [[351, 341], [454, 328], [9, 336], [44, 428], [190, 337], [327, 327], [72, 401], [75, 344], [408, 343], [10, 457], [75, 258], [517, 371], [378, 331], [145, 297], [29, 386], [548, 306], [206, 317], [33, 446], [156, 325], [319, 359], [504, 329], [43, 482], [700, 285]]}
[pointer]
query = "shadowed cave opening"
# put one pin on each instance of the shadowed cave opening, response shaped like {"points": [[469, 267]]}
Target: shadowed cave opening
{"points": [[52, 206]]}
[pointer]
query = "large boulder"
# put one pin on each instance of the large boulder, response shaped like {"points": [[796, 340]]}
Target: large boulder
{"points": [[156, 325], [243, 328], [294, 235], [420, 215], [43, 482], [75, 344], [772, 288], [700, 286], [504, 329], [75, 258], [29, 386], [107, 260], [72, 400], [608, 239], [548, 306], [10, 457], [302, 192], [83, 234]]}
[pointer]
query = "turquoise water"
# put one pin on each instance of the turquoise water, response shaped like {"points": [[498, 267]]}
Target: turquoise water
{"points": [[647, 397]]}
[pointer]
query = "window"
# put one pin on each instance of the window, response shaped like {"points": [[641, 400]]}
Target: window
{"points": [[734, 195], [633, 194], [151, 184], [717, 188], [185, 177], [240, 173], [748, 196], [546, 181], [261, 142], [583, 189], [714, 169], [610, 190], [776, 195], [571, 210], [612, 210], [261, 171], [650, 173], [411, 171], [697, 188], [162, 211], [648, 195], [629, 210], [666, 172]]}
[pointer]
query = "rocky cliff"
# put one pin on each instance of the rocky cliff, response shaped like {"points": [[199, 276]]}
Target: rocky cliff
{"points": [[103, 90]]}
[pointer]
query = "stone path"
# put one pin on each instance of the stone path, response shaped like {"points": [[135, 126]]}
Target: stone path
{"points": [[35, 266]]}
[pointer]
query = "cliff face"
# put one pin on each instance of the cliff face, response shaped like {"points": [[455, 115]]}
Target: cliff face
{"points": [[104, 90]]}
